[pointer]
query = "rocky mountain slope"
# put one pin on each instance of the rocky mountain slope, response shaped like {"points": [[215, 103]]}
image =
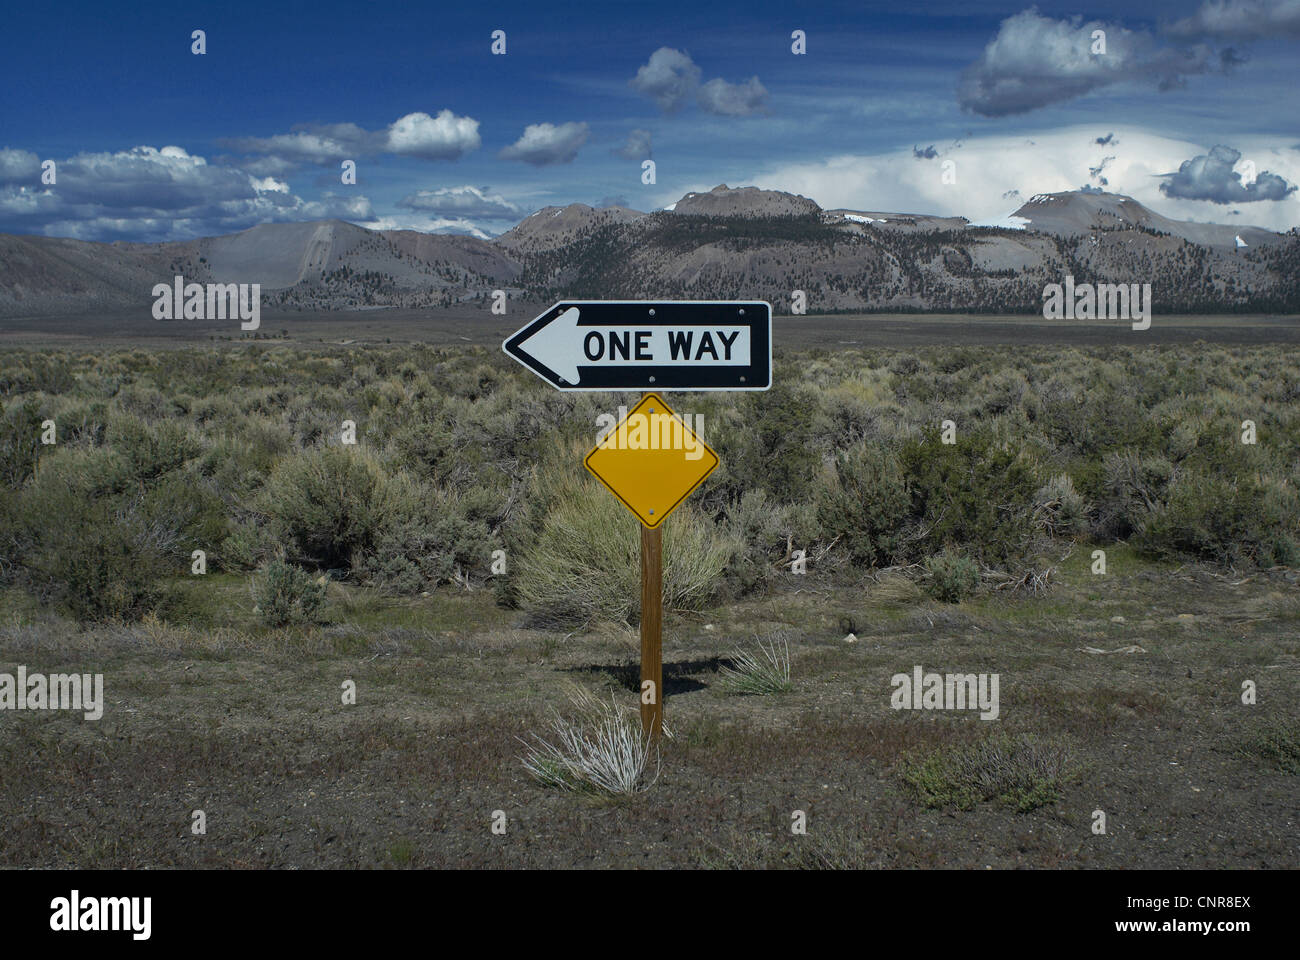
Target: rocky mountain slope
{"points": [[726, 243]]}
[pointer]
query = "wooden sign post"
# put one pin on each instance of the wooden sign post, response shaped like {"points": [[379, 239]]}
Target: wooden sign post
{"points": [[652, 619], [652, 460]]}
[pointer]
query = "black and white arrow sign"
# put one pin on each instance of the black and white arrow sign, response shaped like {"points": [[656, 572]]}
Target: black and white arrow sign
{"points": [[649, 345]]}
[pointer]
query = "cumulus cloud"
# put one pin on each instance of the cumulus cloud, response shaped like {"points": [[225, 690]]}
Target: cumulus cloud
{"points": [[668, 78], [18, 166], [637, 147], [444, 137], [466, 201], [147, 193], [1035, 61], [1212, 177], [1240, 20], [926, 153], [746, 99], [544, 144], [310, 143]]}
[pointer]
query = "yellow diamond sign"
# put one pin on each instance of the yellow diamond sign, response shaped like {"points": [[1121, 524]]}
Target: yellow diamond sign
{"points": [[651, 461]]}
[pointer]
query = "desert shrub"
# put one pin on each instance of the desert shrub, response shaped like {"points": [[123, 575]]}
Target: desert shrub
{"points": [[773, 448], [976, 493], [1225, 520], [285, 594], [326, 505], [765, 531], [586, 561], [600, 751], [20, 441], [84, 425], [1000, 392], [1132, 486], [863, 500], [432, 535], [103, 559], [190, 508], [759, 669], [950, 577], [895, 590], [37, 372], [1218, 448], [1021, 771], [1060, 509], [1090, 421], [148, 450], [247, 447], [422, 446], [906, 365], [244, 547], [84, 535], [113, 571], [1278, 743]]}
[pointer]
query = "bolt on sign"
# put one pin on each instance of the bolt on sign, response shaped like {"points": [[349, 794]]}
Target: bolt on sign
{"points": [[651, 461]]}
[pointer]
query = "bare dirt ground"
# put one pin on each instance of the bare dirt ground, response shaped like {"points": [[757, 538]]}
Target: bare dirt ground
{"points": [[247, 724]]}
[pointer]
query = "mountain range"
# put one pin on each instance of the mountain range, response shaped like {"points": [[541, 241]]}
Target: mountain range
{"points": [[724, 244]]}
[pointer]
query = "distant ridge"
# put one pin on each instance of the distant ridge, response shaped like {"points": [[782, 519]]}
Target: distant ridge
{"points": [[725, 243], [1077, 212]]}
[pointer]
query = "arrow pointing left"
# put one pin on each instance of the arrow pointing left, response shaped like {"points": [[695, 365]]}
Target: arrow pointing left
{"points": [[552, 345]]}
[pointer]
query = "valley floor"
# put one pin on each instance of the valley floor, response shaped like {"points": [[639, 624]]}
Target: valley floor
{"points": [[247, 724], [459, 326]]}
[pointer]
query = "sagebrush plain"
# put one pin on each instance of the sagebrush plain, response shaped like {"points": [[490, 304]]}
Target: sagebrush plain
{"points": [[328, 563]]}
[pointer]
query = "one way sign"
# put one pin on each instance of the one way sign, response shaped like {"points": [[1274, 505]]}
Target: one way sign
{"points": [[649, 345]]}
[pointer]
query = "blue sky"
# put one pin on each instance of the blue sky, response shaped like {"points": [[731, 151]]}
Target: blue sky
{"points": [[153, 142]]}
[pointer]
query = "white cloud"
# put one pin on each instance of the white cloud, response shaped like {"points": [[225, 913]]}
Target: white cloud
{"points": [[147, 193], [637, 147], [269, 184], [19, 165], [990, 168], [1035, 61], [443, 137], [425, 224], [1241, 20], [310, 143], [466, 201], [668, 78], [546, 143], [734, 99]]}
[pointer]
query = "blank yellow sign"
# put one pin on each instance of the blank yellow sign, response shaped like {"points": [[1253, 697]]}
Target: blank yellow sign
{"points": [[651, 461]]}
